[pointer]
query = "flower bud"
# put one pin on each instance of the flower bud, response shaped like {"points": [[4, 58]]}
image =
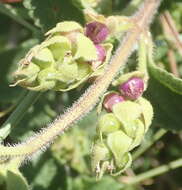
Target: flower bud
{"points": [[108, 123], [96, 31], [100, 52], [61, 62], [112, 99], [132, 89]]}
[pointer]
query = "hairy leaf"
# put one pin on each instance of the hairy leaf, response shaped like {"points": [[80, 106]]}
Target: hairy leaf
{"points": [[166, 78], [46, 13], [167, 105]]}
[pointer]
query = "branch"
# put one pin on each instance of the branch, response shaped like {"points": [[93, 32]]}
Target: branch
{"points": [[154, 172], [42, 139]]}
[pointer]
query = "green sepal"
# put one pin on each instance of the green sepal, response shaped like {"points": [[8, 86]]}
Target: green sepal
{"points": [[147, 112], [100, 69], [59, 46], [46, 80], [124, 164], [119, 144], [65, 27], [118, 24], [115, 24], [26, 74], [127, 111], [84, 69], [100, 104], [125, 77], [139, 133], [85, 48], [99, 153], [68, 72], [108, 123], [44, 58]]}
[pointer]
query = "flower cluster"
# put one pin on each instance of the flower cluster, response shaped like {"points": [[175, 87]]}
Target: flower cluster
{"points": [[67, 58], [121, 127]]}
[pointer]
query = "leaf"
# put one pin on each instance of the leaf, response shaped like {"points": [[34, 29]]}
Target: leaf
{"points": [[167, 105], [16, 181], [46, 13], [166, 78]]}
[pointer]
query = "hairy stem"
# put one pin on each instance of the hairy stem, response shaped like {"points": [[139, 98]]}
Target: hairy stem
{"points": [[92, 95]]}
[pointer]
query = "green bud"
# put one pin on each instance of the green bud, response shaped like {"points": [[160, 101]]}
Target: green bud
{"points": [[108, 123], [68, 53], [119, 144]]}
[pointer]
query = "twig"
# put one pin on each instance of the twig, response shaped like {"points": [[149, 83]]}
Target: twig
{"points": [[42, 139], [148, 144], [154, 172], [172, 62], [171, 31]]}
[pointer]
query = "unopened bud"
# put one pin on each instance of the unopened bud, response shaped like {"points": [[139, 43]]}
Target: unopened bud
{"points": [[112, 99], [96, 31], [133, 88]]}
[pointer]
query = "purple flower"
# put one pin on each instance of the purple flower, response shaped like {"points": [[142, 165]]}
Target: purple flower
{"points": [[112, 99], [96, 31], [101, 52], [132, 89]]}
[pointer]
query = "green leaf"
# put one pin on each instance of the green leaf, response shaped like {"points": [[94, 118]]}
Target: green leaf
{"points": [[15, 181], [166, 104], [166, 78], [46, 13]]}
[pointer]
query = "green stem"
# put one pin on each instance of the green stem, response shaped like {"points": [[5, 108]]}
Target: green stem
{"points": [[11, 12], [92, 95], [148, 144], [155, 172], [26, 101]]}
